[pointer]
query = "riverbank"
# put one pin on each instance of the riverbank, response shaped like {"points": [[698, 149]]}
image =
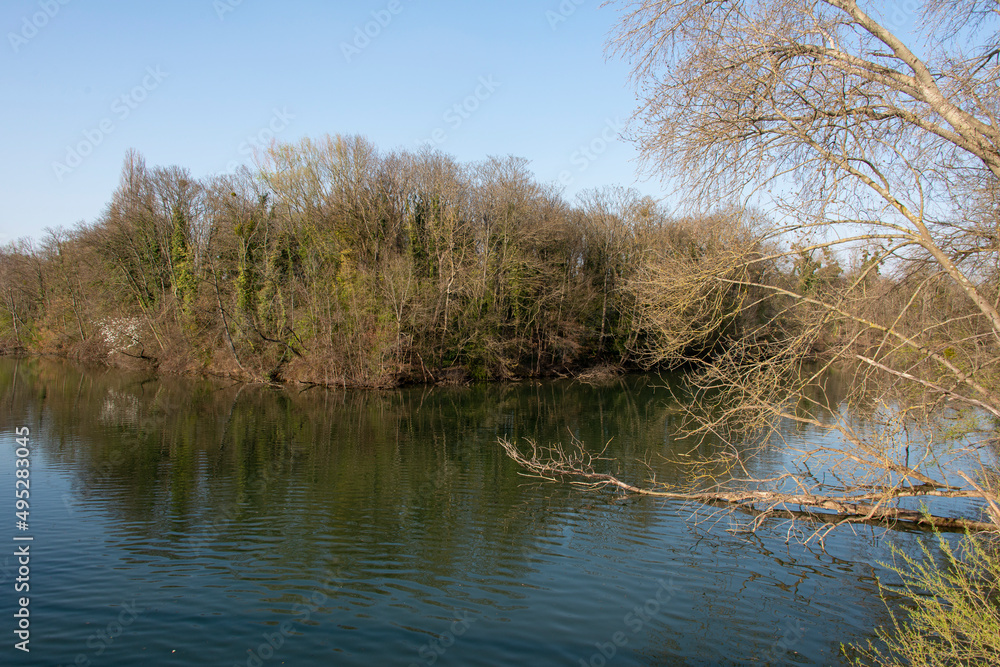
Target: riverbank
{"points": [[400, 509], [417, 269], [453, 376]]}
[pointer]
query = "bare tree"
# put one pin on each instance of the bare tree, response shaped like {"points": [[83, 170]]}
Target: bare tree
{"points": [[22, 289], [851, 135]]}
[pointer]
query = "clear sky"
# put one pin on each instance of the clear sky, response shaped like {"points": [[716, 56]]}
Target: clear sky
{"points": [[196, 83]]}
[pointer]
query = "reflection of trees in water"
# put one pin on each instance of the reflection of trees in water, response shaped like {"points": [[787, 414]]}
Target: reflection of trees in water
{"points": [[198, 463], [120, 408], [275, 485], [138, 437]]}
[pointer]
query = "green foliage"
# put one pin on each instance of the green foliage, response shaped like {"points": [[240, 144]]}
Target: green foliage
{"points": [[247, 278], [184, 282], [815, 273], [422, 239], [339, 265], [952, 614]]}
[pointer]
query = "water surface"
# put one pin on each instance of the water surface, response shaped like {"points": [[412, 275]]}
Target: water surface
{"points": [[196, 522]]}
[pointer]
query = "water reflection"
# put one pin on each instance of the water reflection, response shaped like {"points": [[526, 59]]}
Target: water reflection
{"points": [[387, 527]]}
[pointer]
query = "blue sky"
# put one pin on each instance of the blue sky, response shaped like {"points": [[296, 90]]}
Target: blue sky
{"points": [[197, 83]]}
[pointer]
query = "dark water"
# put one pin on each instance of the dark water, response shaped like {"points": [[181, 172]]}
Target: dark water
{"points": [[182, 522]]}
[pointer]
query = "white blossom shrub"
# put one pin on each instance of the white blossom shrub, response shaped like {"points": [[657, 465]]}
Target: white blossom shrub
{"points": [[120, 333]]}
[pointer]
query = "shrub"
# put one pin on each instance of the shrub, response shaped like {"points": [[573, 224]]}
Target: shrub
{"points": [[952, 614]]}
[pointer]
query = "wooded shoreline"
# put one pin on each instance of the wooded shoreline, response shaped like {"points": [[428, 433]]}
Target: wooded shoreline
{"points": [[340, 265]]}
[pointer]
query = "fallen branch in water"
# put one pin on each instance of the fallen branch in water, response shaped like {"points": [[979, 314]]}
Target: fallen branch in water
{"points": [[576, 464]]}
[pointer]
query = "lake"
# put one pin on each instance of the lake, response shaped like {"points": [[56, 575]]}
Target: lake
{"points": [[177, 521]]}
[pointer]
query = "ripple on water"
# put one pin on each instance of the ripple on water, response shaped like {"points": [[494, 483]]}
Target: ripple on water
{"points": [[378, 526]]}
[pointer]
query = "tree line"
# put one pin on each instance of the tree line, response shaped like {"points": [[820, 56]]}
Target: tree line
{"points": [[336, 263]]}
